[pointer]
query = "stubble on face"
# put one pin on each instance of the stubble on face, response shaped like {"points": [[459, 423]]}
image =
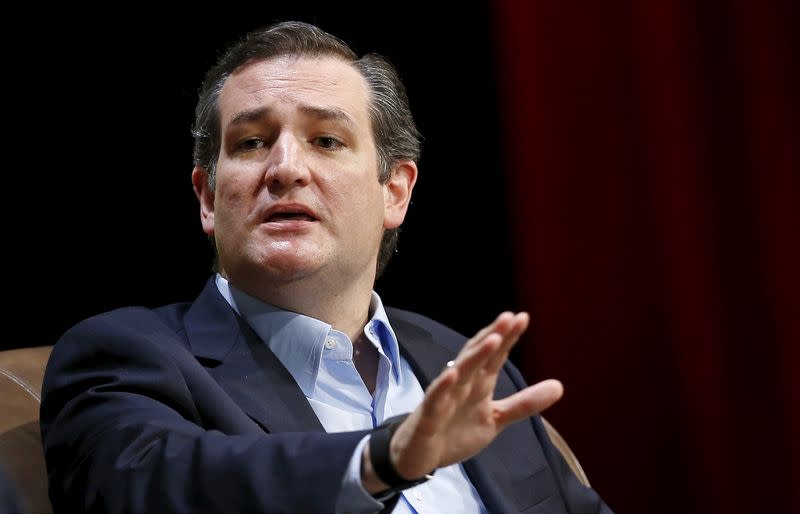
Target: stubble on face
{"points": [[297, 145]]}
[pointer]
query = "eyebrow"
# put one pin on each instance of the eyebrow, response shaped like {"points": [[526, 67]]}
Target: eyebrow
{"points": [[319, 113], [249, 115]]}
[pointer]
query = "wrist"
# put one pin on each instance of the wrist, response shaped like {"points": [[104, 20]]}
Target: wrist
{"points": [[369, 479], [379, 464]]}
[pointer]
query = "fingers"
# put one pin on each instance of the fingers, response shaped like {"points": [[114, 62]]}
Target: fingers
{"points": [[436, 401], [500, 323], [528, 402], [454, 383], [485, 353], [507, 326], [475, 358], [519, 325]]}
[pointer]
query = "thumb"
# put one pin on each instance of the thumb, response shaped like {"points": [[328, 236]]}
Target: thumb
{"points": [[528, 402]]}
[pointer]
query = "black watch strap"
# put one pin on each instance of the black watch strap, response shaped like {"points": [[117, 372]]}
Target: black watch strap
{"points": [[381, 460]]}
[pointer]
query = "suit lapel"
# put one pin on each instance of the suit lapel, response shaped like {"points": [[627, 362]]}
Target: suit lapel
{"points": [[244, 367], [427, 358]]}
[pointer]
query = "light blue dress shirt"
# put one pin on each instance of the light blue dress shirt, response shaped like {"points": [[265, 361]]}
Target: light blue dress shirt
{"points": [[320, 358]]}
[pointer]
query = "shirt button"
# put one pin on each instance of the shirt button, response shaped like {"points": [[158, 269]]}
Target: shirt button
{"points": [[372, 330], [330, 344]]}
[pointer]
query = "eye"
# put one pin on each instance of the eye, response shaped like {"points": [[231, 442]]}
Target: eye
{"points": [[253, 143], [328, 142]]}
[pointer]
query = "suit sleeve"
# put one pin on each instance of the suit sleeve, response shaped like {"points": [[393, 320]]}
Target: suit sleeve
{"points": [[578, 498], [123, 431]]}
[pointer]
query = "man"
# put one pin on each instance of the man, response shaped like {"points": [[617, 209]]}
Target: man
{"points": [[285, 386]]}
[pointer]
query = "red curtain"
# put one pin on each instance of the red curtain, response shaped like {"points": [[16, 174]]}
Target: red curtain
{"points": [[653, 162]]}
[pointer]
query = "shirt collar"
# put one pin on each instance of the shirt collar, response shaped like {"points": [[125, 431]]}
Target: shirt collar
{"points": [[380, 327], [297, 340]]}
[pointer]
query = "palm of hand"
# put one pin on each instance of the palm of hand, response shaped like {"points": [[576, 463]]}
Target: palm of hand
{"points": [[458, 416]]}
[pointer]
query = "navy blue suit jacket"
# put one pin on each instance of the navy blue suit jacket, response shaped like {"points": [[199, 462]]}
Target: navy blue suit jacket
{"points": [[183, 409]]}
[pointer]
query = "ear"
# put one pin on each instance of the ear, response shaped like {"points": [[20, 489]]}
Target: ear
{"points": [[397, 193], [205, 195]]}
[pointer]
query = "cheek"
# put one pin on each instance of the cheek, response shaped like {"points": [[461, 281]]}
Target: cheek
{"points": [[360, 187], [230, 211], [231, 195]]}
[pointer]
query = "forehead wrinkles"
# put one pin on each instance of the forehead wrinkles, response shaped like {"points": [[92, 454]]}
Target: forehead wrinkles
{"points": [[323, 83]]}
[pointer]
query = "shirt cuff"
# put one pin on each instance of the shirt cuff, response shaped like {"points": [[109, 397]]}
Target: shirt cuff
{"points": [[353, 498]]}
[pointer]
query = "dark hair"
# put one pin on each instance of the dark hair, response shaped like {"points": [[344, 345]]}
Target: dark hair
{"points": [[396, 135]]}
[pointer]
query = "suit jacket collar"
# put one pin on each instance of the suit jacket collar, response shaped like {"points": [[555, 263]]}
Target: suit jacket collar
{"points": [[245, 368]]}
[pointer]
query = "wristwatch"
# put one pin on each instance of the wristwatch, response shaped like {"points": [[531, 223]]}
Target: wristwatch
{"points": [[380, 458]]}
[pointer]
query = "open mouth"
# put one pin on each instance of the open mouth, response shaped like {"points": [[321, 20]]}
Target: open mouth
{"points": [[277, 217], [289, 214]]}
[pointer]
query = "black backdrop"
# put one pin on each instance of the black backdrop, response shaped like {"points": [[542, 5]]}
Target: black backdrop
{"points": [[99, 206]]}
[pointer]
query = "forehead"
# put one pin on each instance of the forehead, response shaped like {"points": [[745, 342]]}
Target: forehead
{"points": [[292, 82]]}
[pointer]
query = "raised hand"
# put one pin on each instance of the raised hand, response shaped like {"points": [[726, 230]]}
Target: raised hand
{"points": [[458, 417]]}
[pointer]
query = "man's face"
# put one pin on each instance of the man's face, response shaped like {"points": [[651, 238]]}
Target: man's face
{"points": [[297, 191]]}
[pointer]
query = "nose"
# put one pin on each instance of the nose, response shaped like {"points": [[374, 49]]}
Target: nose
{"points": [[286, 166]]}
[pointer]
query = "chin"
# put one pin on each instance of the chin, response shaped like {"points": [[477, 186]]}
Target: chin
{"points": [[288, 268]]}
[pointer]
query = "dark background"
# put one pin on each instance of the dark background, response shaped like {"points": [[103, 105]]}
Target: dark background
{"points": [[627, 171], [107, 166]]}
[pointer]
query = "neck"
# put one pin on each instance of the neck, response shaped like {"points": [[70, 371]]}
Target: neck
{"points": [[343, 306]]}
